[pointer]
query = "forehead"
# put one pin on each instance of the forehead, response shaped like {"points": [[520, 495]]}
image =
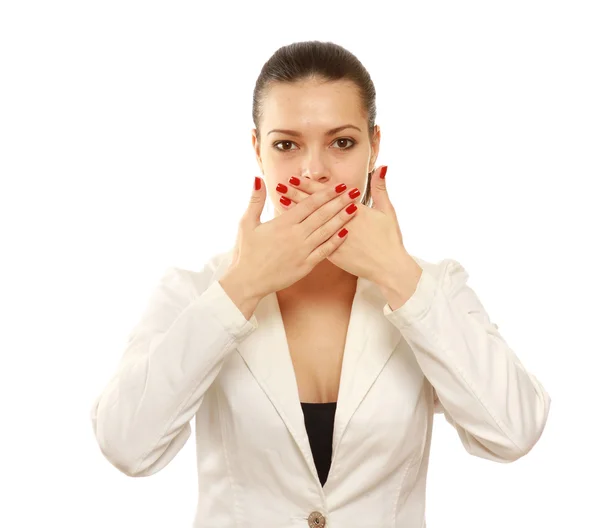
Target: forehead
{"points": [[312, 103]]}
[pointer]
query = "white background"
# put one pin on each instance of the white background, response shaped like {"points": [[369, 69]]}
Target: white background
{"points": [[125, 148]]}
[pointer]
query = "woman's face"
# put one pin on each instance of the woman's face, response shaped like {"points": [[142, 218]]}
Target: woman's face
{"points": [[308, 111]]}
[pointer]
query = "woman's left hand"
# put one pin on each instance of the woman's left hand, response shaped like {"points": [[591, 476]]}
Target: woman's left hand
{"points": [[374, 249]]}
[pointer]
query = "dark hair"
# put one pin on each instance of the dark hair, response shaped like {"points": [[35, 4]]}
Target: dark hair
{"points": [[315, 60]]}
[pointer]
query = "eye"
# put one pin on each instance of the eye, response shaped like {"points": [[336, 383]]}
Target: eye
{"points": [[280, 142], [346, 140]]}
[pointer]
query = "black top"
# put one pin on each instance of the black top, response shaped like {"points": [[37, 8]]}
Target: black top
{"points": [[318, 418]]}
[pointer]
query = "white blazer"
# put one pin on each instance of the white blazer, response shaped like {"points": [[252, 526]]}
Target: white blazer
{"points": [[193, 354]]}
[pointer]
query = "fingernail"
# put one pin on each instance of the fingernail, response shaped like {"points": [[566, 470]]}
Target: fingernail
{"points": [[256, 183], [281, 188], [285, 200], [383, 171], [294, 181]]}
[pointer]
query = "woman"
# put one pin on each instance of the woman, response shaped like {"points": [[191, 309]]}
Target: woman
{"points": [[313, 363]]}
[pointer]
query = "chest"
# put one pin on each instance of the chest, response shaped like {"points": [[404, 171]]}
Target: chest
{"points": [[316, 330]]}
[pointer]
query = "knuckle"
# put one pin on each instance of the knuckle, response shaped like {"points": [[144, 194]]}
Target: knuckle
{"points": [[322, 215], [322, 232], [342, 218], [322, 251], [305, 206]]}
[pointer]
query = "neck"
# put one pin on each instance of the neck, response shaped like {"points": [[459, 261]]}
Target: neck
{"points": [[323, 278]]}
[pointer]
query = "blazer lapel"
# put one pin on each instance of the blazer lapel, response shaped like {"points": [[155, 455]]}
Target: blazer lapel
{"points": [[370, 340]]}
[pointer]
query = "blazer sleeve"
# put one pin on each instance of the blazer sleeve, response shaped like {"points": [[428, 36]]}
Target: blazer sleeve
{"points": [[171, 358], [497, 407]]}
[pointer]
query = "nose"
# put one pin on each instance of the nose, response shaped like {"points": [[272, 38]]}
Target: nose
{"points": [[316, 170], [320, 177]]}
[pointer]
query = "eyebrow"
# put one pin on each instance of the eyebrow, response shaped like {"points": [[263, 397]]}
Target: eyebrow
{"points": [[328, 133]]}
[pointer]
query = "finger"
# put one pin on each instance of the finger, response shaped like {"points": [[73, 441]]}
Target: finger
{"points": [[294, 195], [256, 204]]}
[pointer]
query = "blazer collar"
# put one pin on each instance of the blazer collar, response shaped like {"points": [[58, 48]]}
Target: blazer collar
{"points": [[370, 341]]}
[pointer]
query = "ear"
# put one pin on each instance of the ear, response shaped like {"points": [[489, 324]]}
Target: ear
{"points": [[256, 147], [374, 147]]}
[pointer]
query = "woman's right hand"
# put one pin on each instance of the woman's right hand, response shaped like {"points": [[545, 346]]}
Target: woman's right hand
{"points": [[273, 255]]}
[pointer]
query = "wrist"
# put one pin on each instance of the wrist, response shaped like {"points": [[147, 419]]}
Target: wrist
{"points": [[240, 290], [244, 282]]}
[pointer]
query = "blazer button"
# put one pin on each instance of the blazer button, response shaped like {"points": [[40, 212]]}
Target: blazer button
{"points": [[316, 520]]}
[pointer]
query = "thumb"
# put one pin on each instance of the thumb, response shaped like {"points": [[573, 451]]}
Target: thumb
{"points": [[257, 203], [381, 199]]}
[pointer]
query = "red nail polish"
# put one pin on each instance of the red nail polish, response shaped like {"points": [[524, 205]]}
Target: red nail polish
{"points": [[285, 200], [294, 181], [343, 233], [341, 187], [256, 183], [354, 193], [383, 171], [281, 188], [351, 208]]}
